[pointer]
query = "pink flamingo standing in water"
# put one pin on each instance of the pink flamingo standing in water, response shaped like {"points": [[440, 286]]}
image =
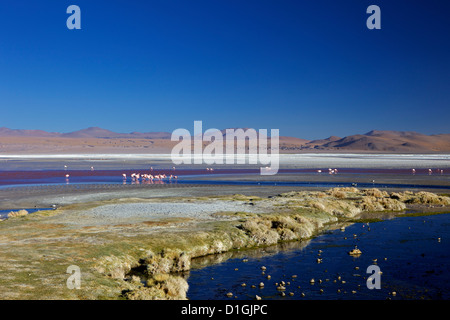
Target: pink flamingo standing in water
{"points": [[146, 178]]}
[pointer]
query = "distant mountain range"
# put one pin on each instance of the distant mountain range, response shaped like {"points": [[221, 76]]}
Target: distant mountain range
{"points": [[385, 141], [92, 132], [374, 141]]}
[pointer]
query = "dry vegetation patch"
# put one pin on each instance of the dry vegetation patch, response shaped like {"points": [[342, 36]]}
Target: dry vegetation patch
{"points": [[142, 260]]}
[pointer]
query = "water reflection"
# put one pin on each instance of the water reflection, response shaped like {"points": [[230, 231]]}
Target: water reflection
{"points": [[411, 252], [213, 259]]}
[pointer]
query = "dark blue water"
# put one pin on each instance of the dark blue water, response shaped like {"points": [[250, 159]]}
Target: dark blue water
{"points": [[413, 262]]}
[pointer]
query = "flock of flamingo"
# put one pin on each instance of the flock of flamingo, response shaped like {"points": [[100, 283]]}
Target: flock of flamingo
{"points": [[144, 177], [413, 171], [330, 171], [148, 177], [430, 171]]}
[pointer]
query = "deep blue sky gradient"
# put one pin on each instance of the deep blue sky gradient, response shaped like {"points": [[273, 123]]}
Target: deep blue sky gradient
{"points": [[309, 68]]}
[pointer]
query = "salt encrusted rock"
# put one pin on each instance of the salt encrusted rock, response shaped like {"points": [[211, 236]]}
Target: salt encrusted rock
{"points": [[355, 252]]}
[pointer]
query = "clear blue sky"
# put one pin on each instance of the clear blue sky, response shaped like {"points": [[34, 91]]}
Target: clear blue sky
{"points": [[309, 68]]}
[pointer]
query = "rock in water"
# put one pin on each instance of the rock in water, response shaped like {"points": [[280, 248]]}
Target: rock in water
{"points": [[355, 252]]}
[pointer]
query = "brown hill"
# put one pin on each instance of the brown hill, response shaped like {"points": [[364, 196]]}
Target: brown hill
{"points": [[6, 132], [92, 132], [321, 142], [149, 135], [393, 141], [96, 132]]}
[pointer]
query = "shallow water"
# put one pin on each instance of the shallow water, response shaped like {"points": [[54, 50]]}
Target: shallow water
{"points": [[114, 177], [413, 262]]}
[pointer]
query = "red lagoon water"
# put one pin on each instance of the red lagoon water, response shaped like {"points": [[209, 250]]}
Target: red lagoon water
{"points": [[115, 176]]}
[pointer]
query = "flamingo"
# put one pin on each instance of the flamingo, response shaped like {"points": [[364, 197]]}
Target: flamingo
{"points": [[124, 175]]}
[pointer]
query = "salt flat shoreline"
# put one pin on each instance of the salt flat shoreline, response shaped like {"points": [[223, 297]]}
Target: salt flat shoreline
{"points": [[113, 234], [112, 238], [112, 230]]}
